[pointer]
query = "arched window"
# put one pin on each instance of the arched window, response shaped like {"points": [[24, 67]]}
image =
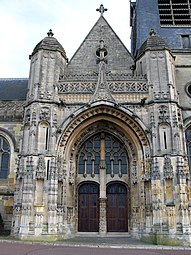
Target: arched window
{"points": [[188, 143], [43, 136], [100, 148], [4, 158], [165, 137]]}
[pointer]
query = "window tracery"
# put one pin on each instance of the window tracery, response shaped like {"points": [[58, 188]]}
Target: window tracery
{"points": [[4, 158], [114, 152]]}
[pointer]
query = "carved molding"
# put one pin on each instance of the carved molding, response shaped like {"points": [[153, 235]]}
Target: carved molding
{"points": [[162, 95], [102, 110], [168, 168], [114, 87], [12, 110], [93, 76], [41, 168], [155, 172]]}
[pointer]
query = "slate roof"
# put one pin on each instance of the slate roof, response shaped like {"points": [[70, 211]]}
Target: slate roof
{"points": [[13, 89], [84, 60], [154, 42], [49, 43]]}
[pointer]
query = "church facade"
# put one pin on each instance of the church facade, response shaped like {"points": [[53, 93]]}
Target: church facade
{"points": [[100, 144]]}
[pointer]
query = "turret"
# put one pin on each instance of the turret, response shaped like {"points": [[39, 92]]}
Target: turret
{"points": [[38, 145], [48, 61]]}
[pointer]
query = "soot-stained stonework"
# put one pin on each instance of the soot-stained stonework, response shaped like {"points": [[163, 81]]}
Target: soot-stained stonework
{"points": [[99, 143]]}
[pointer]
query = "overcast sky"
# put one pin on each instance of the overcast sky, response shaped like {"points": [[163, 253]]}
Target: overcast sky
{"points": [[23, 23]]}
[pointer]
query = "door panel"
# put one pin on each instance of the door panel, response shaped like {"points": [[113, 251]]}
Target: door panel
{"points": [[117, 208], [88, 208]]}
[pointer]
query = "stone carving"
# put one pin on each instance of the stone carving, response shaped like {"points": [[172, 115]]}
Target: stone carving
{"points": [[12, 110], [180, 167], [26, 207], [52, 207], [71, 172], [163, 114], [102, 91], [29, 166], [59, 166], [44, 114], [20, 168], [55, 119], [168, 168], [33, 117], [161, 95], [60, 210], [174, 119], [53, 174], [114, 87], [147, 167], [41, 167], [102, 110], [122, 87], [102, 225], [186, 167], [17, 209], [152, 119], [92, 76], [69, 214], [155, 173], [27, 116], [134, 172], [77, 87]]}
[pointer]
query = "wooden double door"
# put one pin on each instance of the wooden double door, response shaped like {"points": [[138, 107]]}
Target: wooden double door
{"points": [[88, 208]]}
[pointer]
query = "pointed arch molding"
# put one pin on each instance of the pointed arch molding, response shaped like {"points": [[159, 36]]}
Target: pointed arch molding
{"points": [[10, 138], [107, 113]]}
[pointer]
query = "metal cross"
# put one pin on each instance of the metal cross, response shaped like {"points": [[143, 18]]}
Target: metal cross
{"points": [[101, 9]]}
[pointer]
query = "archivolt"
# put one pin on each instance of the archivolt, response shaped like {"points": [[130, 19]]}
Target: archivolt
{"points": [[92, 115]]}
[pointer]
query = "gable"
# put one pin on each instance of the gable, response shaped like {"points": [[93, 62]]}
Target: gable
{"points": [[84, 60]]}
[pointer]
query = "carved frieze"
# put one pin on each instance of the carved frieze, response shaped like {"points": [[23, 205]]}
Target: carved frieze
{"points": [[168, 168], [12, 110], [114, 87], [93, 76]]}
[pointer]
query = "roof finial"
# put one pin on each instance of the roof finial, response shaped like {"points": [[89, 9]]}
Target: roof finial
{"points": [[101, 9], [50, 34], [152, 32]]}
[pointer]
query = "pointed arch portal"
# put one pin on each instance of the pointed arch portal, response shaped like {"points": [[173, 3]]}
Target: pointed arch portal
{"points": [[102, 148]]}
